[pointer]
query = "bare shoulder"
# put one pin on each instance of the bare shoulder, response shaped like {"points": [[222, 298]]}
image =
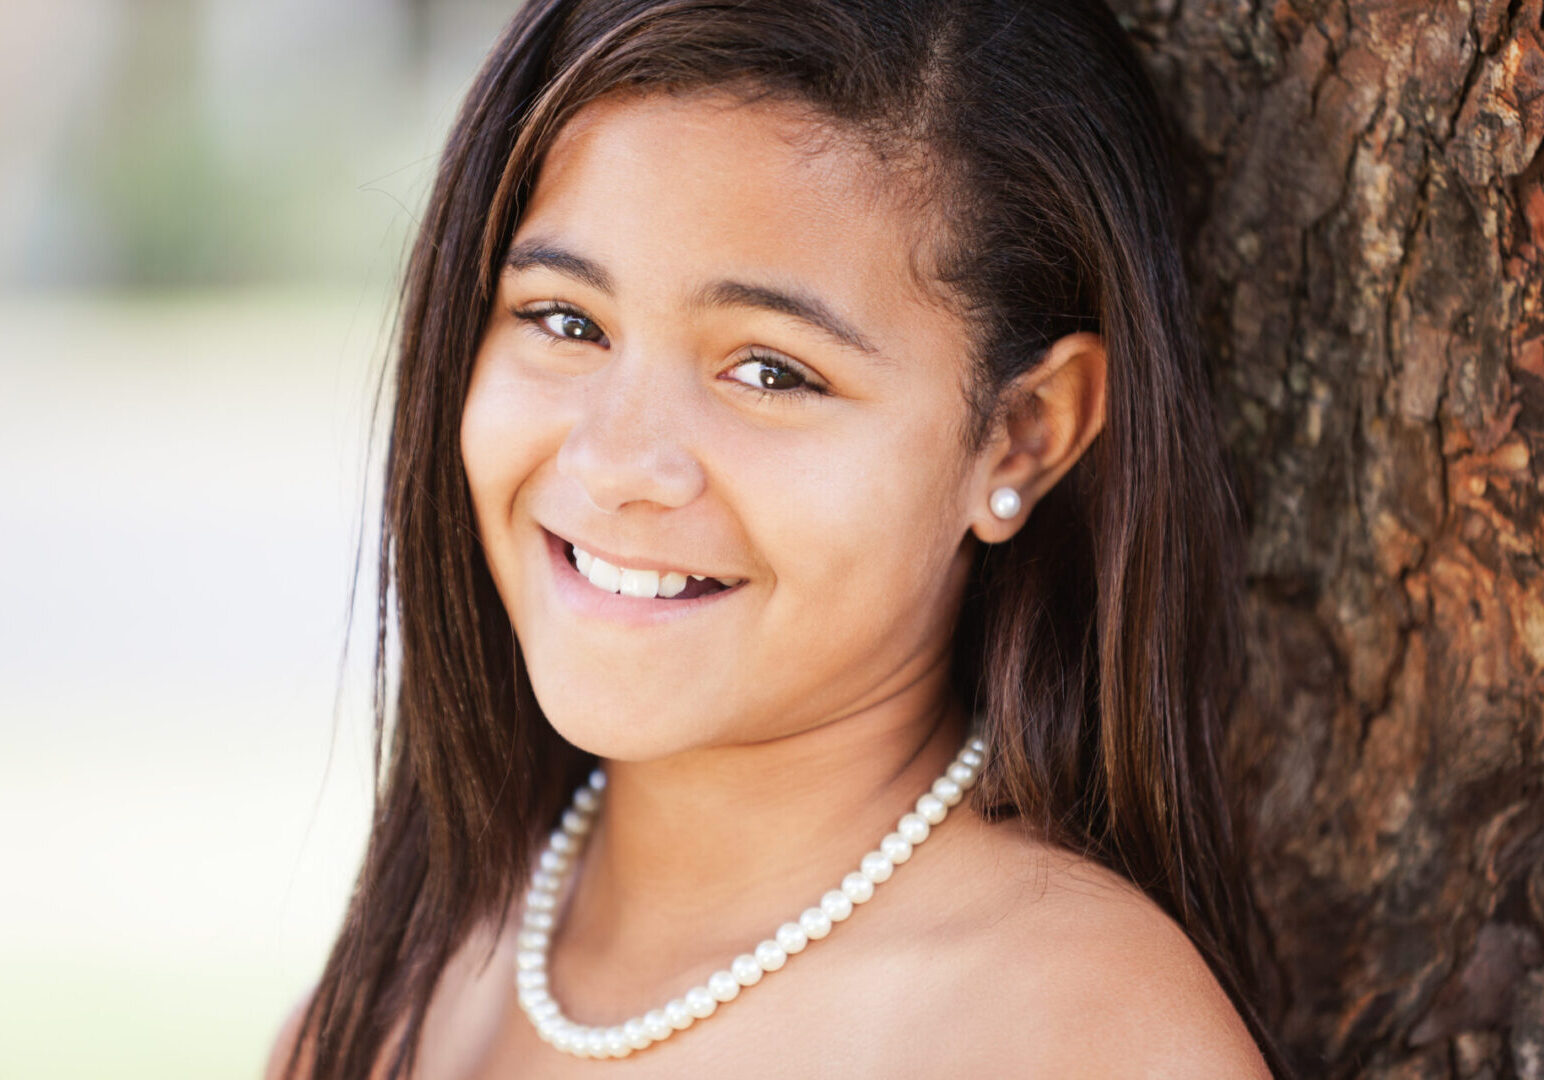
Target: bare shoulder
{"points": [[284, 1046], [1104, 982], [461, 1020], [284, 1043]]}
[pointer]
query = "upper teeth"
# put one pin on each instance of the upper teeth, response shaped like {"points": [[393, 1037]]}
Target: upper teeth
{"points": [[628, 582]]}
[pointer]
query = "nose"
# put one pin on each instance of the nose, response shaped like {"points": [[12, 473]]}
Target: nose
{"points": [[630, 442]]}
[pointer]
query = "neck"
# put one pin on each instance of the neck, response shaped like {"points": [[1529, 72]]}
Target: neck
{"points": [[695, 857]]}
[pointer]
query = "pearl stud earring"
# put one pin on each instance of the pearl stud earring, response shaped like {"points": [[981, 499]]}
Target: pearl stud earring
{"points": [[1005, 503]]}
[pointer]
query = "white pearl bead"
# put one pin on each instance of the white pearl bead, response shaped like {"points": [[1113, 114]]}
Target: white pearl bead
{"points": [[546, 882], [746, 969], [540, 900], [529, 980], [679, 1016], [545, 1009], [595, 1042], [575, 823], [700, 1003], [961, 773], [791, 938], [932, 807], [836, 905], [539, 920], [553, 863], [876, 867], [723, 986], [655, 1023], [616, 1042], [972, 758], [815, 923], [563, 842], [527, 959], [1005, 503], [947, 790], [532, 996], [857, 888], [598, 780], [637, 1037], [896, 848], [914, 828], [770, 955], [977, 744], [586, 801]]}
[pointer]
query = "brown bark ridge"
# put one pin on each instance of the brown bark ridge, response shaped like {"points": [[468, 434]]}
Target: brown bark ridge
{"points": [[1367, 247]]}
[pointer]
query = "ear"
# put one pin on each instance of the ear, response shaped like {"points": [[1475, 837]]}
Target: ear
{"points": [[1050, 415]]}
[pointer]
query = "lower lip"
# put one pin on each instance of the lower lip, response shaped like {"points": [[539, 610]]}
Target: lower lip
{"points": [[585, 599]]}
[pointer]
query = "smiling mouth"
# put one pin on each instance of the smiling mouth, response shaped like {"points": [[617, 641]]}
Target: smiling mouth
{"points": [[646, 584]]}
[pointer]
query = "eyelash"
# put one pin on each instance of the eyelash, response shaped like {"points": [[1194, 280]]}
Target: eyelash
{"points": [[532, 317]]}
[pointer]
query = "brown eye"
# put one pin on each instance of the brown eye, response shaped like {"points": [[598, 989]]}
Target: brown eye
{"points": [[772, 374], [773, 377], [563, 322], [567, 325]]}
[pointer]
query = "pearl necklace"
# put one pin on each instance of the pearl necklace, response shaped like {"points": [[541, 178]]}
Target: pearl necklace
{"points": [[700, 1002]]}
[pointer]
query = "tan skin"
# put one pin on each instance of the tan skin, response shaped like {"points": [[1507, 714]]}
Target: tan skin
{"points": [[757, 748]]}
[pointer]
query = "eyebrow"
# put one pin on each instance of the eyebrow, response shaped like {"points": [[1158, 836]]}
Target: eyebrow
{"points": [[528, 254], [534, 253]]}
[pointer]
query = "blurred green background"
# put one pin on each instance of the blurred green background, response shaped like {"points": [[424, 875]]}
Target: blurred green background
{"points": [[204, 206]]}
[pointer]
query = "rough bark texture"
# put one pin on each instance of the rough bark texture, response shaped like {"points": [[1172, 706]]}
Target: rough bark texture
{"points": [[1368, 252]]}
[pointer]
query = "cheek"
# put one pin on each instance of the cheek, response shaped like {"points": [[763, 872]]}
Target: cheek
{"points": [[501, 435], [868, 518]]}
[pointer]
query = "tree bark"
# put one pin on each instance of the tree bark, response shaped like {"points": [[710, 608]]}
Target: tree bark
{"points": [[1367, 249]]}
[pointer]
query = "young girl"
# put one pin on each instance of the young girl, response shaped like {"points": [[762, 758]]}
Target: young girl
{"points": [[814, 570]]}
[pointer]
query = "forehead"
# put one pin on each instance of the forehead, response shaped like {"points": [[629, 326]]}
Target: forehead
{"points": [[669, 189]]}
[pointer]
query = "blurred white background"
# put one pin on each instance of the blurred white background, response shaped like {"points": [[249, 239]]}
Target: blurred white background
{"points": [[204, 207]]}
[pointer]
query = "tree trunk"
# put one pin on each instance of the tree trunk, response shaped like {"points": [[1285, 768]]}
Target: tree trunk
{"points": [[1368, 255]]}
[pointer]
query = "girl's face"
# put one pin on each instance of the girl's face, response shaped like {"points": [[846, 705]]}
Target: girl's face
{"points": [[708, 355]]}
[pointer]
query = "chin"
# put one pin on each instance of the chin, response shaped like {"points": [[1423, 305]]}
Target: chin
{"points": [[621, 724]]}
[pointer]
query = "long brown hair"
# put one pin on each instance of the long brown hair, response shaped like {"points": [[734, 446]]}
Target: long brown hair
{"points": [[1100, 645]]}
